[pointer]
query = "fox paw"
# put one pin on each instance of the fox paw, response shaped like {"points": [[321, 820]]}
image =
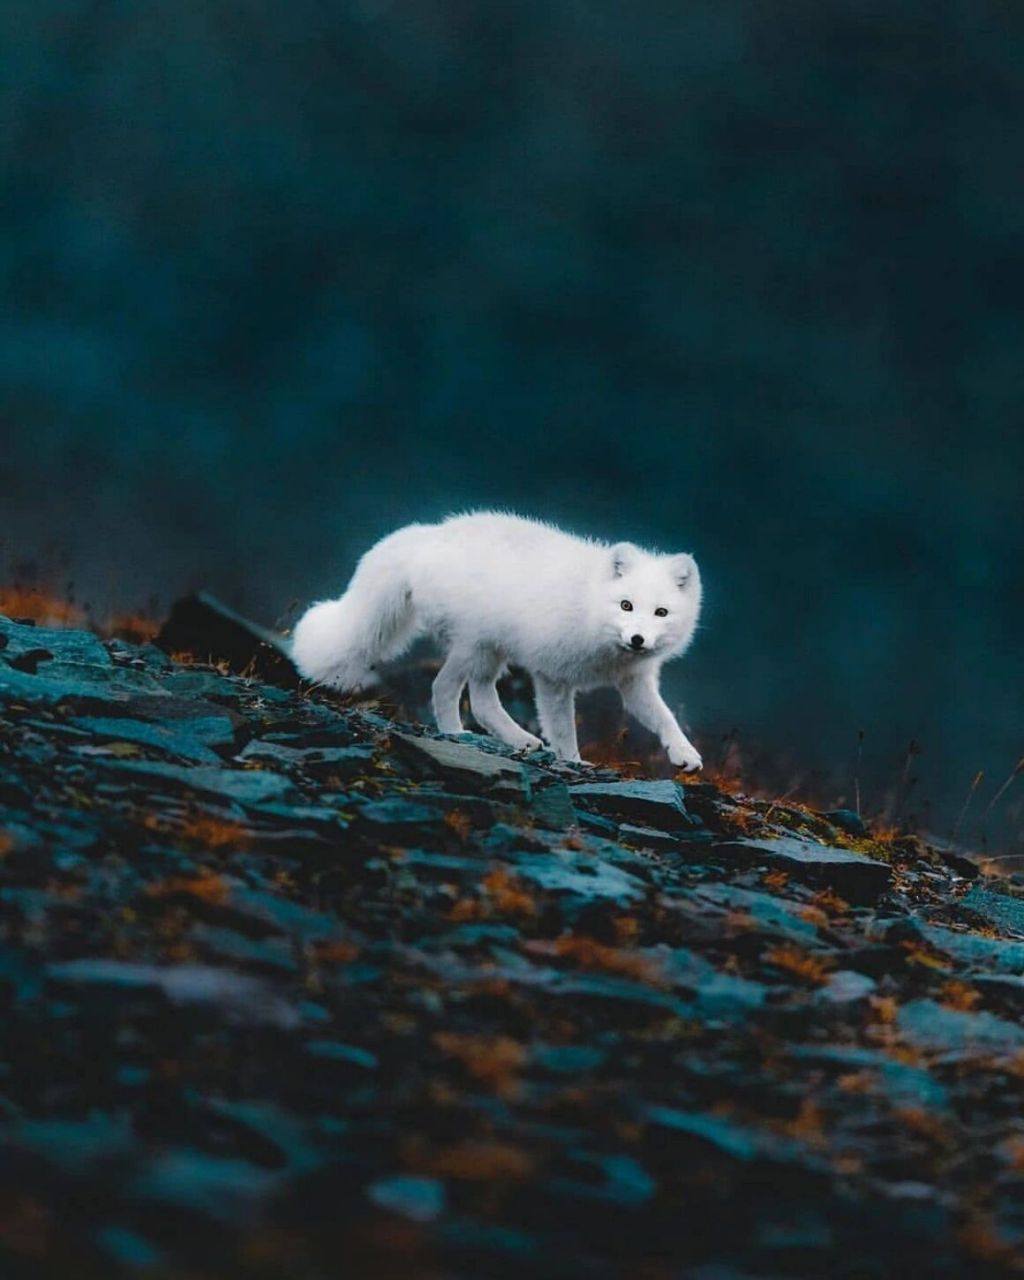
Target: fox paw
{"points": [[686, 757]]}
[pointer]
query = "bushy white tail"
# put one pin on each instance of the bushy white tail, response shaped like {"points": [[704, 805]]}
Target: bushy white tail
{"points": [[339, 642]]}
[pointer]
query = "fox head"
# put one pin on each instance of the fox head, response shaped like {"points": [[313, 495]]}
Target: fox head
{"points": [[650, 603]]}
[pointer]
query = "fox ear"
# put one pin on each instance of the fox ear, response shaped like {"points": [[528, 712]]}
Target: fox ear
{"points": [[623, 554], [684, 569]]}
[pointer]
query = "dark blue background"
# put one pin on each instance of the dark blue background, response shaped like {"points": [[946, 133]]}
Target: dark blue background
{"points": [[728, 276]]}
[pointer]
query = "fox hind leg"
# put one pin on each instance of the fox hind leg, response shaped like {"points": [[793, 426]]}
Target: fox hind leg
{"points": [[447, 691], [556, 709], [487, 708]]}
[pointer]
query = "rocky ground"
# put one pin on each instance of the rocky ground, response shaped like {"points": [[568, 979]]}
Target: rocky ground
{"points": [[291, 989]]}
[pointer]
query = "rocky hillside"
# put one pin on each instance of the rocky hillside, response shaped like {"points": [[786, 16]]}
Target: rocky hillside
{"points": [[292, 989]]}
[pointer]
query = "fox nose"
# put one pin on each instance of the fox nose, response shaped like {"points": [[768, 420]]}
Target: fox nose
{"points": [[636, 641]]}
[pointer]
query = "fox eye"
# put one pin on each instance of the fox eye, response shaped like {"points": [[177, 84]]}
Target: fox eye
{"points": [[661, 612], [627, 606]]}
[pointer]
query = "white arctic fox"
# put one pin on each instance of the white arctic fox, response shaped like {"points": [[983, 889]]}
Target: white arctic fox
{"points": [[498, 589]]}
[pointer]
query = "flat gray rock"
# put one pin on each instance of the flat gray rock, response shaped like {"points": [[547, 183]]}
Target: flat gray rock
{"points": [[459, 761], [933, 1026], [659, 804], [581, 875], [245, 786], [853, 875], [646, 837], [173, 739], [19, 687], [51, 643], [1006, 913], [971, 950], [238, 996]]}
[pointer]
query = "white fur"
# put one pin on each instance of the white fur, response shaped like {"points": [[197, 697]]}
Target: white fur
{"points": [[497, 589]]}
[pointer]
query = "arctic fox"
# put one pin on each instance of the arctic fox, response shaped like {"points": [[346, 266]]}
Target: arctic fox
{"points": [[498, 589]]}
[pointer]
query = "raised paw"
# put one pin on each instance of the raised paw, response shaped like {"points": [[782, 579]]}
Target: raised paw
{"points": [[686, 757]]}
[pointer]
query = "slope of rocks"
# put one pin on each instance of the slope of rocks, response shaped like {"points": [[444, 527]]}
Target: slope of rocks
{"points": [[292, 989]]}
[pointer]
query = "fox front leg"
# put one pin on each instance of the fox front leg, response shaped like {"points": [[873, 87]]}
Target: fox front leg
{"points": [[642, 699]]}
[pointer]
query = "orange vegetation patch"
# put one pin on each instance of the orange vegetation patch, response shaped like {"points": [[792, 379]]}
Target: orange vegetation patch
{"points": [[26, 1228], [6, 843], [483, 1162], [959, 995], [136, 628], [590, 954], [203, 829], [858, 1082], [41, 606], [616, 752], [215, 833], [885, 1009], [502, 894], [627, 930], [493, 1060], [925, 1124], [335, 952], [206, 887], [775, 880], [1013, 1150], [981, 1239], [801, 964], [808, 1125], [460, 823], [922, 956], [726, 777], [830, 901]]}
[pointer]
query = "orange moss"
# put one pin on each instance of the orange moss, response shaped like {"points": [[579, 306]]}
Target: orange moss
{"points": [[627, 930], [830, 901], [775, 880], [738, 920], [460, 823], [724, 779], [467, 909], [922, 956], [472, 1161], [981, 1239], [590, 954], [808, 1125], [206, 887], [215, 833], [959, 995], [6, 843], [801, 964], [26, 1229], [925, 1124], [856, 1082], [616, 752], [136, 628], [507, 894], [493, 1060], [885, 1009], [335, 952], [40, 606]]}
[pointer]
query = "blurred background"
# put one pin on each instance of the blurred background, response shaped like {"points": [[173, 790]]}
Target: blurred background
{"points": [[723, 276]]}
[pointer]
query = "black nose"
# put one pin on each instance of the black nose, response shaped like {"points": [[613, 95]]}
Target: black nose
{"points": [[636, 641]]}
